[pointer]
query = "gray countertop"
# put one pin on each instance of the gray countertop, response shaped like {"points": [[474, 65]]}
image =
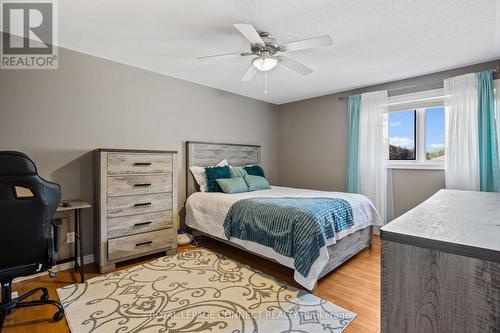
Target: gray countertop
{"points": [[461, 222]]}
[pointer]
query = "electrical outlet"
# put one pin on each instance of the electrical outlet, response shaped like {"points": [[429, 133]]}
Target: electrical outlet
{"points": [[70, 236], [14, 294]]}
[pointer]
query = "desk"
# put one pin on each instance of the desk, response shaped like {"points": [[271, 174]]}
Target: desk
{"points": [[77, 206]]}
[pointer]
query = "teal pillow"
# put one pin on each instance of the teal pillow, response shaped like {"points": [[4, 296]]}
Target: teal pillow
{"points": [[214, 173], [255, 170], [257, 183], [233, 185], [238, 172]]}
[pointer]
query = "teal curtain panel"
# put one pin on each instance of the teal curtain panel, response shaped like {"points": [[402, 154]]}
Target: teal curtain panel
{"points": [[489, 168], [354, 105]]}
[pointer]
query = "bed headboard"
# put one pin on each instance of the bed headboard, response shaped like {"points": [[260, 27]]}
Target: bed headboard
{"points": [[208, 153]]}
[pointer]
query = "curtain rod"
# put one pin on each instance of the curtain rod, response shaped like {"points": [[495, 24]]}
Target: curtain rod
{"points": [[342, 98]]}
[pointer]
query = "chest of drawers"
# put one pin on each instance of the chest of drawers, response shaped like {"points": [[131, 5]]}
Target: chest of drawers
{"points": [[441, 266], [135, 204]]}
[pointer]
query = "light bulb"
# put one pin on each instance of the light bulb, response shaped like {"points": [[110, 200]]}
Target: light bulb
{"points": [[265, 63]]}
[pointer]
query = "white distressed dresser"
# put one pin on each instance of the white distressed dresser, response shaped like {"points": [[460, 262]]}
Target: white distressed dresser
{"points": [[135, 200], [441, 266]]}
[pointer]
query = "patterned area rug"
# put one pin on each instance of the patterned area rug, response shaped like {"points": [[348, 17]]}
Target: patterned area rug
{"points": [[196, 291]]}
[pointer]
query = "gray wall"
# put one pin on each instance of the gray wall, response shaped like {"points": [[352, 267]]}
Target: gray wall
{"points": [[59, 116], [313, 142]]}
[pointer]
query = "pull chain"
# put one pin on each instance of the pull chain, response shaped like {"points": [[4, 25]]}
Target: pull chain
{"points": [[265, 82]]}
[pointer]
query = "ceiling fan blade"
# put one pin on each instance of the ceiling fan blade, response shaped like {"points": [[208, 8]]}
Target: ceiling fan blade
{"points": [[309, 43], [295, 66], [224, 55], [250, 33], [249, 74]]}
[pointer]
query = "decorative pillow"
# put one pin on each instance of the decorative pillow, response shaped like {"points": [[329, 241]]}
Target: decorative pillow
{"points": [[233, 185], [255, 170], [256, 183], [199, 175], [215, 173], [238, 172]]}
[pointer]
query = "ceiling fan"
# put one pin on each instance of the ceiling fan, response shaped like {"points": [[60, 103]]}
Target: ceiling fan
{"points": [[268, 52]]}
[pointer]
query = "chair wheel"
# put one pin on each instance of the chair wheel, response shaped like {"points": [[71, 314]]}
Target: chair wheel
{"points": [[58, 315]]}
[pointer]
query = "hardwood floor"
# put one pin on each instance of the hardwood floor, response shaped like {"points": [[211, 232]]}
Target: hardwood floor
{"points": [[355, 286]]}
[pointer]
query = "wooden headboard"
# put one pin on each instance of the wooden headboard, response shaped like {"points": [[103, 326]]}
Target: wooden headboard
{"points": [[207, 153]]}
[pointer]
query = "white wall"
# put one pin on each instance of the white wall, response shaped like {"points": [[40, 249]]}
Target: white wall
{"points": [[59, 116]]}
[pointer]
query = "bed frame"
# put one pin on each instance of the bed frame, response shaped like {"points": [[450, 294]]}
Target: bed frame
{"points": [[208, 153]]}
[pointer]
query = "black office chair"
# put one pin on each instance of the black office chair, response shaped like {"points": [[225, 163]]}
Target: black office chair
{"points": [[27, 245]]}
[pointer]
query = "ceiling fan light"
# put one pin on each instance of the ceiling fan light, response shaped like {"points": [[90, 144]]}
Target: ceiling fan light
{"points": [[265, 63]]}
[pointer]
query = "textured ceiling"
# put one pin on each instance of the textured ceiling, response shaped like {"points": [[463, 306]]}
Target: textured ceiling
{"points": [[373, 41]]}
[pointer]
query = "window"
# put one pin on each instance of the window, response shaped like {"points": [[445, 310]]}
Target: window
{"points": [[417, 138], [402, 135], [434, 134]]}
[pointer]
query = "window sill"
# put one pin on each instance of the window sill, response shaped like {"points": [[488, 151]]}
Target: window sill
{"points": [[416, 166]]}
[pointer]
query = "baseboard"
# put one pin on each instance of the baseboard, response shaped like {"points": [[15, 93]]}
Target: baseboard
{"points": [[88, 259]]}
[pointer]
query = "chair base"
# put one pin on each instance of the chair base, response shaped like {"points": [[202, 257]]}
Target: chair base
{"points": [[9, 303]]}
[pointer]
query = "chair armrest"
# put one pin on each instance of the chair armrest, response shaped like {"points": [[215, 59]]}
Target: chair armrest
{"points": [[56, 227]]}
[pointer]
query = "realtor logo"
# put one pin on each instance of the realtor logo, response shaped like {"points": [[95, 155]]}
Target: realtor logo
{"points": [[29, 31]]}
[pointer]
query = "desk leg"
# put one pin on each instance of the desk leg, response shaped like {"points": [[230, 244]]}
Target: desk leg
{"points": [[75, 253], [79, 245]]}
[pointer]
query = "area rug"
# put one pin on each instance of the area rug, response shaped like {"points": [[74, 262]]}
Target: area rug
{"points": [[196, 291]]}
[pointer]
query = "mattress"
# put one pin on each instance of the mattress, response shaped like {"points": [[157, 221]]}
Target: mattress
{"points": [[206, 212]]}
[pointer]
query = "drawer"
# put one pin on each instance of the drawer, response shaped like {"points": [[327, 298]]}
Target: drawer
{"points": [[144, 184], [128, 246], [139, 163], [129, 225], [139, 204]]}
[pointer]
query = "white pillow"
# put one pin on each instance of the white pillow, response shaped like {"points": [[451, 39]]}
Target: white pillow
{"points": [[199, 174]]}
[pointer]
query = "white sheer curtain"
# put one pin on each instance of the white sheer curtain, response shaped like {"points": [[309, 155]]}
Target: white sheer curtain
{"points": [[373, 150], [462, 143]]}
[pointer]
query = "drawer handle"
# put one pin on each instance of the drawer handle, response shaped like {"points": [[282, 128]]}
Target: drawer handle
{"points": [[142, 223], [142, 204], [144, 243], [142, 163], [142, 185]]}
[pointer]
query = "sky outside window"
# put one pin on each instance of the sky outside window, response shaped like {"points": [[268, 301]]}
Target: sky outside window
{"points": [[402, 135], [434, 133]]}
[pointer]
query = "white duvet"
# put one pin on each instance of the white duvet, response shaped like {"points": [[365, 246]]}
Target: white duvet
{"points": [[206, 212]]}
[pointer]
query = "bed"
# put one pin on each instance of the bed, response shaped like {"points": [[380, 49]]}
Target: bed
{"points": [[205, 212]]}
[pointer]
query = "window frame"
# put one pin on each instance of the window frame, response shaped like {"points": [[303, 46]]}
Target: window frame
{"points": [[436, 99]]}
